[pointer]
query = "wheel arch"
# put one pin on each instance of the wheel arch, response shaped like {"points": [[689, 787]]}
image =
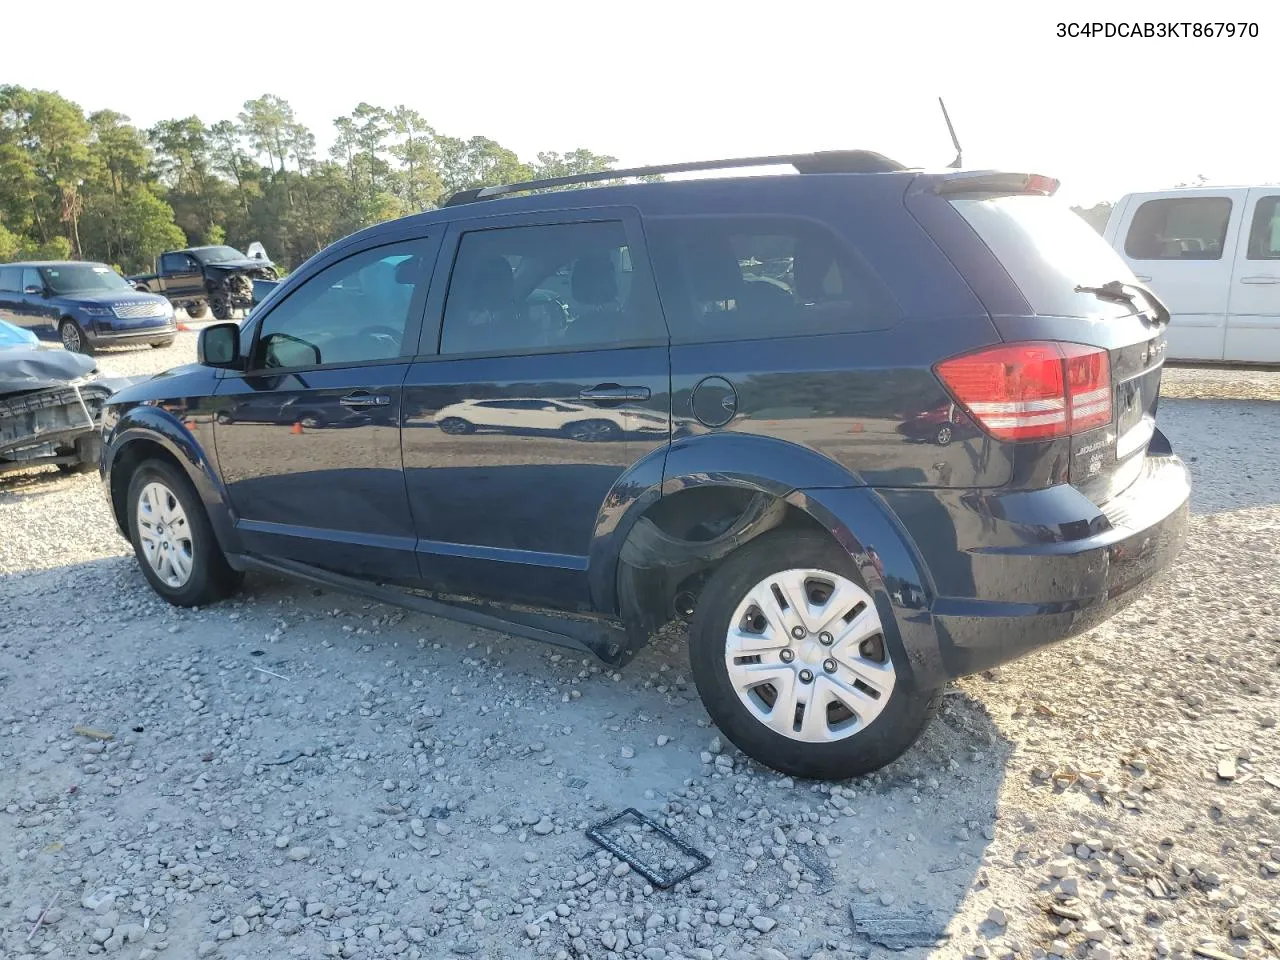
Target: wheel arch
{"points": [[147, 432], [673, 519]]}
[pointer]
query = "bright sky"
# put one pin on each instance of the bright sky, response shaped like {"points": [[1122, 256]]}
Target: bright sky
{"points": [[660, 81]]}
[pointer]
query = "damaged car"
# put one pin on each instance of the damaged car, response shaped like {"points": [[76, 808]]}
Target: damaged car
{"points": [[202, 279], [50, 402]]}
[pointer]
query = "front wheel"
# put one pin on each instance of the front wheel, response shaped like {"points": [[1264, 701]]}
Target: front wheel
{"points": [[944, 435], [456, 426], [173, 540], [157, 344], [73, 337], [790, 657]]}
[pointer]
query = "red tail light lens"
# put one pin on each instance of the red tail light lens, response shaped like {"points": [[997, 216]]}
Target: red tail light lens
{"points": [[1032, 391]]}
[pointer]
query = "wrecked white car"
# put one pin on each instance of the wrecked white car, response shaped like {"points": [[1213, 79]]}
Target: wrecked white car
{"points": [[49, 406]]}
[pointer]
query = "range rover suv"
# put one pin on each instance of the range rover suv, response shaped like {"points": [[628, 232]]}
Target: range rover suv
{"points": [[791, 332]]}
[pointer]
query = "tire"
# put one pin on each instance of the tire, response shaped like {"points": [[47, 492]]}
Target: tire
{"points": [[841, 743], [221, 308], [944, 435], [209, 577], [157, 344], [73, 337], [592, 431], [196, 309], [456, 426]]}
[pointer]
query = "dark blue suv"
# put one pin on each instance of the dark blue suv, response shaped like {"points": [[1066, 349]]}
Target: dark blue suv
{"points": [[84, 305], [462, 405]]}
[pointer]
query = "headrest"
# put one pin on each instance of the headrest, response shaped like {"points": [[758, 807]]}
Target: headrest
{"points": [[712, 268], [594, 281], [407, 271], [490, 284], [810, 269]]}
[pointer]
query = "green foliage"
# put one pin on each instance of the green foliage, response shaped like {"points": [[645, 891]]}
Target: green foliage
{"points": [[96, 187], [1096, 216]]}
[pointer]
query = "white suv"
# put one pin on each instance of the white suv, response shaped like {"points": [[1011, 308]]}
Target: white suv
{"points": [[573, 420]]}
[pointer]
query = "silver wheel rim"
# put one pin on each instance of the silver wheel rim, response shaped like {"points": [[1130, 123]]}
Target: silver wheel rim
{"points": [[806, 656], [71, 337], [590, 431], [944, 435], [165, 535]]}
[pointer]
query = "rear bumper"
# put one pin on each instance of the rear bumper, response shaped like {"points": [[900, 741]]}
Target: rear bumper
{"points": [[1017, 571]]}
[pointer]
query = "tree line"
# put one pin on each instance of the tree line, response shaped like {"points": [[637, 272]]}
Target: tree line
{"points": [[96, 187]]}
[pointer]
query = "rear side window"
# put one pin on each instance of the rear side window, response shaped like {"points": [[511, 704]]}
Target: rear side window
{"points": [[1264, 232], [735, 278], [1179, 228], [1047, 251], [565, 286]]}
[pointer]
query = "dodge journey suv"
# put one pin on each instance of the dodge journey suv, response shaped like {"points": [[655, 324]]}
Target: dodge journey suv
{"points": [[789, 335]]}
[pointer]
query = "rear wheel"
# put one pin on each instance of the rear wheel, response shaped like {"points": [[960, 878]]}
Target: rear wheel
{"points": [[592, 431], [173, 540], [73, 337], [221, 308], [457, 426], [197, 309], [790, 658]]}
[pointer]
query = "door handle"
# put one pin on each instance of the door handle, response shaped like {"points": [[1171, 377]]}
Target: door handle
{"points": [[1142, 278], [605, 393], [1265, 278], [363, 399]]}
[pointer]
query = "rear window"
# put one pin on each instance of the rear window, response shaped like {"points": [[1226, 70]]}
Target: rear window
{"points": [[1179, 228], [746, 277], [1048, 250]]}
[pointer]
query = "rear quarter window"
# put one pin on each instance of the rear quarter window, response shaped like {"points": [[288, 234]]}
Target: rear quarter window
{"points": [[1048, 250], [748, 277]]}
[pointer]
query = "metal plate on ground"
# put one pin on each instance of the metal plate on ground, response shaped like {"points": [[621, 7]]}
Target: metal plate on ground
{"points": [[897, 929], [651, 849]]}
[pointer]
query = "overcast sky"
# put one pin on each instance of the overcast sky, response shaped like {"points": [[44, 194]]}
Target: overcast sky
{"points": [[658, 81]]}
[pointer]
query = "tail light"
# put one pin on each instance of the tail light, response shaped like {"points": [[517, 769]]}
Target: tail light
{"points": [[1032, 391]]}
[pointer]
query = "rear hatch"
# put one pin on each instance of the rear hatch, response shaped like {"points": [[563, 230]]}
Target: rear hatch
{"points": [[1079, 291]]}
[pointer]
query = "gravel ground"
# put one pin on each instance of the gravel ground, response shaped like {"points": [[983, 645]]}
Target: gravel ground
{"points": [[301, 774]]}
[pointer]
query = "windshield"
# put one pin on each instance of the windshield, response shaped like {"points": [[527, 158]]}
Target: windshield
{"points": [[218, 254], [83, 278], [1048, 250]]}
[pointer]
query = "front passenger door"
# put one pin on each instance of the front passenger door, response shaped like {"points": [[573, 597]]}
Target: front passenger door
{"points": [[308, 438], [181, 275]]}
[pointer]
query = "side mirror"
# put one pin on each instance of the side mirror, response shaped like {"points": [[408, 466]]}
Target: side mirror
{"points": [[34, 291], [219, 346]]}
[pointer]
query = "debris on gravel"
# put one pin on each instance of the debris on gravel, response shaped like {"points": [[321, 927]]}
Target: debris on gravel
{"points": [[420, 789]]}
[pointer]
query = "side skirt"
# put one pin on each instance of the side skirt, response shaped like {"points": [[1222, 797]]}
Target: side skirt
{"points": [[602, 639]]}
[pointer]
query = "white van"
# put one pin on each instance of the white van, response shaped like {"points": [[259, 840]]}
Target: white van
{"points": [[1213, 255]]}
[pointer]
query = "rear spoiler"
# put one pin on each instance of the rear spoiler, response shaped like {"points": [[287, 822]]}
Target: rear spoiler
{"points": [[993, 181]]}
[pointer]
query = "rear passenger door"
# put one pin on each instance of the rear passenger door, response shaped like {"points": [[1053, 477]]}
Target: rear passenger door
{"points": [[1253, 320], [543, 378], [1184, 247]]}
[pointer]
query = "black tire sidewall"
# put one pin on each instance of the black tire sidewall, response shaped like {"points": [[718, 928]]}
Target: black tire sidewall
{"points": [[887, 737], [209, 580]]}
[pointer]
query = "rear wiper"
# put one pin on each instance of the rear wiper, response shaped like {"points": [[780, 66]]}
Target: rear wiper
{"points": [[1117, 291]]}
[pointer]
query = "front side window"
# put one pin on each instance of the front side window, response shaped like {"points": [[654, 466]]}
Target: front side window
{"points": [[1264, 232], [730, 278], [353, 311], [545, 287], [10, 279], [1179, 228]]}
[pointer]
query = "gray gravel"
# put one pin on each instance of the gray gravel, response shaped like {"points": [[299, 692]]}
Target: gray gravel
{"points": [[301, 774]]}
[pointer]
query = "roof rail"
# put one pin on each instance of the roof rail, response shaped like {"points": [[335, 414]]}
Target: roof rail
{"points": [[825, 161]]}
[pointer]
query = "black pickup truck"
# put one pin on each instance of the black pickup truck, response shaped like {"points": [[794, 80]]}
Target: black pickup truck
{"points": [[199, 278]]}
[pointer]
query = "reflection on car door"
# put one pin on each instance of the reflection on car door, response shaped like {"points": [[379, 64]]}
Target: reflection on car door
{"points": [[33, 309], [10, 294], [1253, 320], [558, 321], [308, 439]]}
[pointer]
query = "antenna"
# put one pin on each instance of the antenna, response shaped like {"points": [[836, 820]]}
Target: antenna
{"points": [[954, 164]]}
